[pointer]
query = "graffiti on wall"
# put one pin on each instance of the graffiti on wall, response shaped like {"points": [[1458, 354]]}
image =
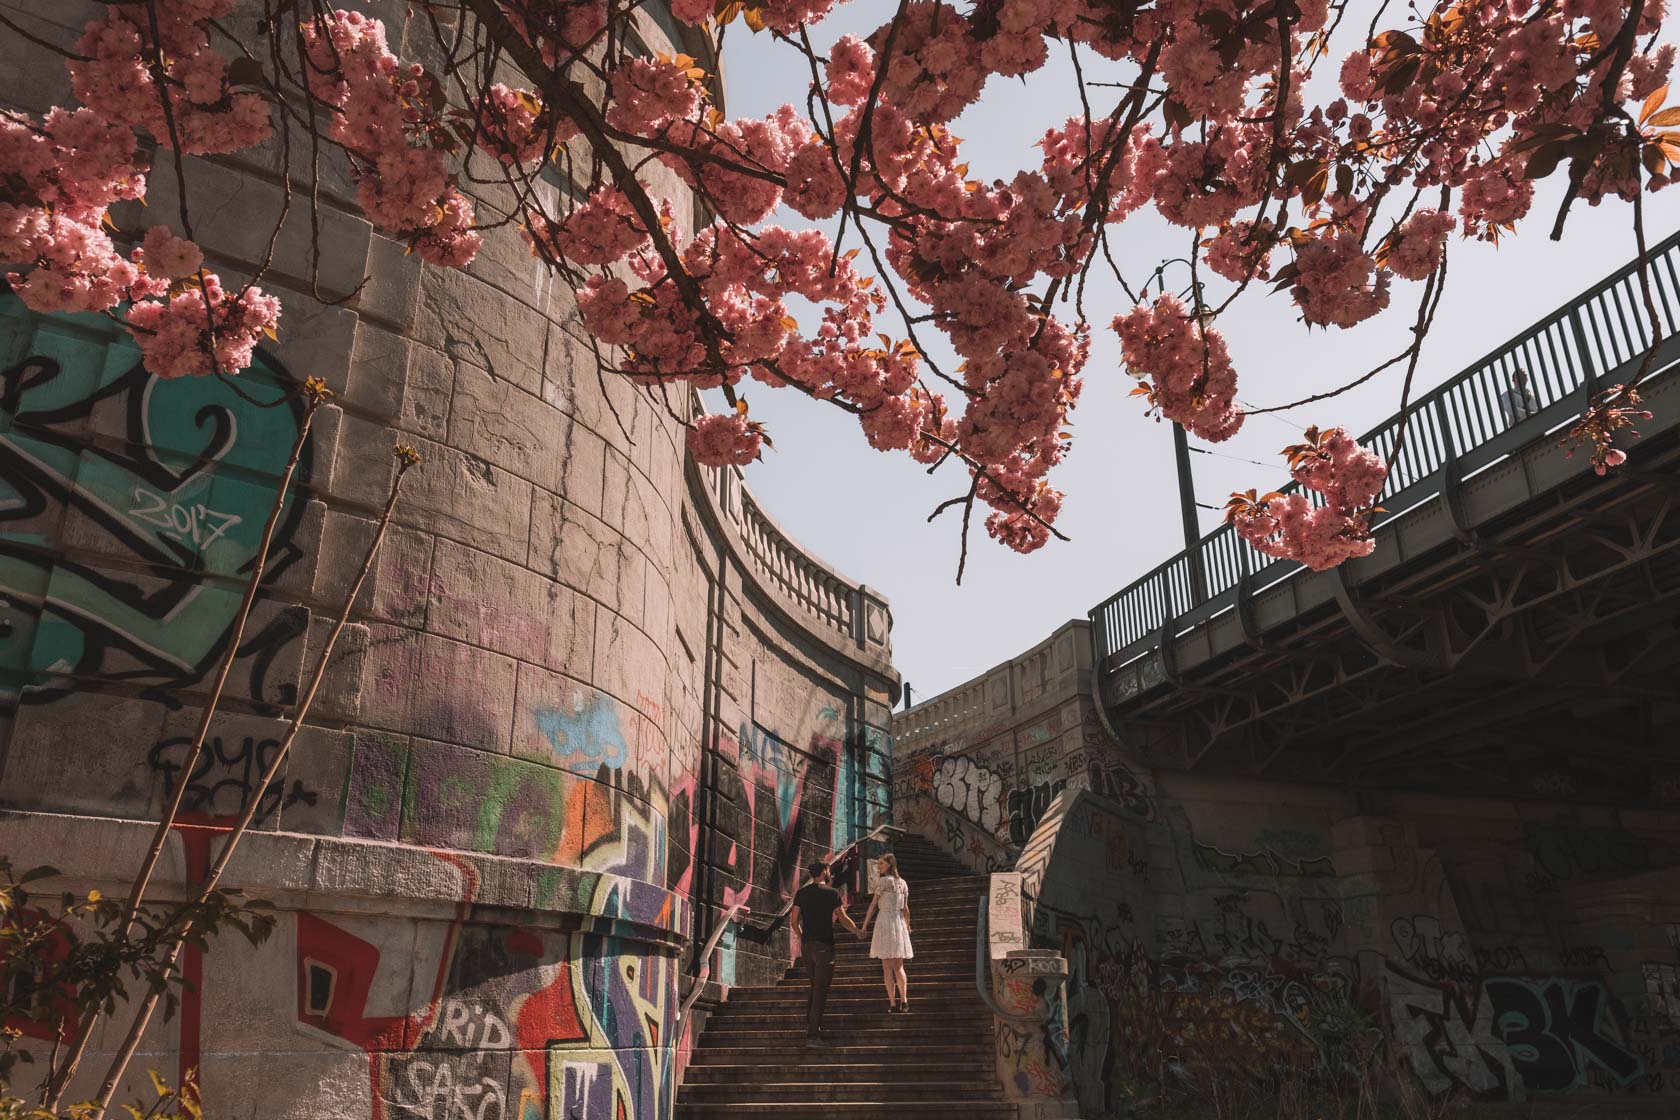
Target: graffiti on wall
{"points": [[517, 1023], [965, 786], [225, 776], [182, 497]]}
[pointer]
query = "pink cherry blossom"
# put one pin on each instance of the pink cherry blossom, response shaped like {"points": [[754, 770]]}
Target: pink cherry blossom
{"points": [[175, 336], [725, 439]]}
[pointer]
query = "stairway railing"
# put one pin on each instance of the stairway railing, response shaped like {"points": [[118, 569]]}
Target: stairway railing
{"points": [[1450, 432], [724, 921], [983, 972]]}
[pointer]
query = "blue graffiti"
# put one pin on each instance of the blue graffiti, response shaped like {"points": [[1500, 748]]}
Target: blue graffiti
{"points": [[585, 738]]}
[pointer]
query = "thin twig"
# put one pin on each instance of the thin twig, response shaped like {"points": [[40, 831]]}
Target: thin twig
{"points": [[406, 458], [315, 395]]}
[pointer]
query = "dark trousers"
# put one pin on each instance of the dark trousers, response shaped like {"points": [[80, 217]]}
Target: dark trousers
{"points": [[819, 956]]}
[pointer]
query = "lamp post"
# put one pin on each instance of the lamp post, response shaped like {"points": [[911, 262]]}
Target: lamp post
{"points": [[1181, 446]]}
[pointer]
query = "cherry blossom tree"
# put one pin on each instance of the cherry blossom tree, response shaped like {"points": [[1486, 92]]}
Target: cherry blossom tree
{"points": [[1444, 119]]}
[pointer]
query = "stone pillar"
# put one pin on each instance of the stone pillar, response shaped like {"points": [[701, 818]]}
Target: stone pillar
{"points": [[1032, 1042]]}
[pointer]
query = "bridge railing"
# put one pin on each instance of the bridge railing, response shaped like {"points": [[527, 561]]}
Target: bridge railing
{"points": [[1453, 431], [853, 612]]}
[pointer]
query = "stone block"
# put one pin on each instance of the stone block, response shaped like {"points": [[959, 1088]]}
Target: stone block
{"points": [[314, 1084], [562, 723], [471, 800], [504, 262], [508, 426], [372, 801], [102, 851], [234, 216], [392, 291], [318, 340], [465, 498], [627, 663], [395, 589], [393, 677], [463, 694], [363, 466], [1362, 861], [267, 863], [339, 696], [379, 375], [475, 322], [578, 550], [489, 602], [427, 388], [238, 750], [636, 511], [582, 465], [86, 753], [39, 79], [385, 873], [656, 610], [1356, 832], [316, 782]]}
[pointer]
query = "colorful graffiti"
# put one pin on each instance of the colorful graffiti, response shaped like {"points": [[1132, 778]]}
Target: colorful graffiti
{"points": [[180, 493], [519, 1023]]}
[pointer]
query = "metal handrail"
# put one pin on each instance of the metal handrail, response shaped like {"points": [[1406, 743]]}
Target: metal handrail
{"points": [[724, 921], [982, 975], [1458, 426], [740, 909]]}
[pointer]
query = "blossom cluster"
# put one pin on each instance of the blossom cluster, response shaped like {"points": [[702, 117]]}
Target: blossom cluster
{"points": [[1320, 535], [124, 55], [1191, 379], [387, 118], [1326, 533], [65, 170]]}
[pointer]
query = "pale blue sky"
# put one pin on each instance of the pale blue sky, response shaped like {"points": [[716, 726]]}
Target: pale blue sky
{"points": [[865, 512]]}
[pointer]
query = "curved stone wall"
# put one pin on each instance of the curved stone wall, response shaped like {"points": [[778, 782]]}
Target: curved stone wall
{"points": [[591, 694]]}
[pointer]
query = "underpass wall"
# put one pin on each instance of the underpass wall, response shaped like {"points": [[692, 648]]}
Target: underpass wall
{"points": [[1491, 949]]}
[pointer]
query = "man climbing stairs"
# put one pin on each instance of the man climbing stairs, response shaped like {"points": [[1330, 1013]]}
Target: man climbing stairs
{"points": [[753, 1060]]}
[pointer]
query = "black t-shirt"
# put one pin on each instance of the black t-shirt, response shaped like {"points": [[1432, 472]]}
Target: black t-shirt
{"points": [[817, 905]]}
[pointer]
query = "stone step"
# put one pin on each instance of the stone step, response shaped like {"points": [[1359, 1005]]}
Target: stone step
{"points": [[956, 937], [864, 981], [813, 1064], [893, 1030], [873, 1051], [873, 1089], [852, 995], [845, 1110]]}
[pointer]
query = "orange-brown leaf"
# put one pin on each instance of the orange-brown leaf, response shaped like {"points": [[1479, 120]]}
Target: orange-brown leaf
{"points": [[1653, 103]]}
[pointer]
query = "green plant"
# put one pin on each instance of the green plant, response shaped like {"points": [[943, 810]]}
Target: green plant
{"points": [[66, 959]]}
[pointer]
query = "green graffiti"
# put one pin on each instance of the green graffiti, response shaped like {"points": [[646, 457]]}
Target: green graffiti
{"points": [[170, 479]]}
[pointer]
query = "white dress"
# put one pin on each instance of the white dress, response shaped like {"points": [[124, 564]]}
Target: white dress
{"points": [[892, 936]]}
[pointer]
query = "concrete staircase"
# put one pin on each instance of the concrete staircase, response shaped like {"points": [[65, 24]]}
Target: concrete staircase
{"points": [[752, 1059]]}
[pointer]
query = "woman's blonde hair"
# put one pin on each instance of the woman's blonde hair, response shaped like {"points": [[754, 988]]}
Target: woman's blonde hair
{"points": [[892, 864]]}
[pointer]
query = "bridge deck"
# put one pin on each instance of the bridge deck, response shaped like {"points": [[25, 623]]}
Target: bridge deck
{"points": [[1505, 572]]}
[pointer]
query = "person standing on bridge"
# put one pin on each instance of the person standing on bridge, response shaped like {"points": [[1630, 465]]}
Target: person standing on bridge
{"points": [[1518, 402], [891, 944], [814, 910]]}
